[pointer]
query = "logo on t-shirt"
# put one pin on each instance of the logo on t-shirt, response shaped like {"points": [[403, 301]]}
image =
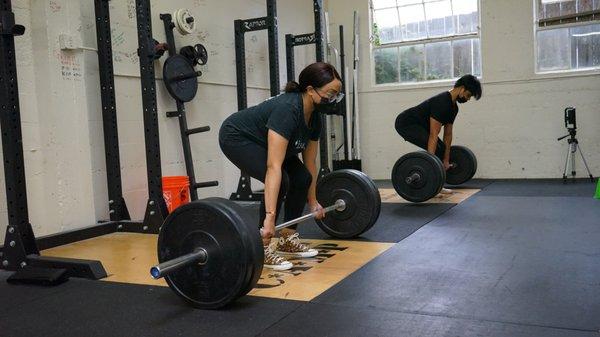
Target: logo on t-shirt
{"points": [[299, 145]]}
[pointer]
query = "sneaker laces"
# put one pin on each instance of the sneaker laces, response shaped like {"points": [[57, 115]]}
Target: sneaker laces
{"points": [[294, 241], [273, 258]]}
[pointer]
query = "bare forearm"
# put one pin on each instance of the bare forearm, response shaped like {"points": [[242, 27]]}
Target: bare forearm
{"points": [[272, 185], [311, 166], [448, 143], [432, 144]]}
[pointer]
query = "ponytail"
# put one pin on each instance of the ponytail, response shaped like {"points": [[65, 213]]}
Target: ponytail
{"points": [[292, 86], [315, 75]]}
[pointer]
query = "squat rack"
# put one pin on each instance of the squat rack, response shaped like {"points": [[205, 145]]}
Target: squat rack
{"points": [[244, 190], [21, 248], [317, 39]]}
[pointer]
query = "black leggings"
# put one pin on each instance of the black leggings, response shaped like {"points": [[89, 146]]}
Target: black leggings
{"points": [[251, 158], [418, 135]]}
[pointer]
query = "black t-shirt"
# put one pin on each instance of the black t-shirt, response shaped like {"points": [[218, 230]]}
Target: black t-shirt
{"points": [[439, 107], [283, 114]]}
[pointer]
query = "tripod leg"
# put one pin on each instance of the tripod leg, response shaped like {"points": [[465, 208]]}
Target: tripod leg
{"points": [[573, 149], [585, 163], [566, 164]]}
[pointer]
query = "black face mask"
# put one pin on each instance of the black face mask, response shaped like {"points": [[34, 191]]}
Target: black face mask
{"points": [[461, 100], [331, 108]]}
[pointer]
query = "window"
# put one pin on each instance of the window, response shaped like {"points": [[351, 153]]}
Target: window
{"points": [[567, 34], [424, 40]]}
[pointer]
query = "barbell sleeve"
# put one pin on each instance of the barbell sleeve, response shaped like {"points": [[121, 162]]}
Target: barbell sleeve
{"points": [[199, 256], [415, 177]]}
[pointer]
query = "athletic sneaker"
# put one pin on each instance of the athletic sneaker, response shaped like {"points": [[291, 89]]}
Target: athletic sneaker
{"points": [[274, 261], [291, 246]]}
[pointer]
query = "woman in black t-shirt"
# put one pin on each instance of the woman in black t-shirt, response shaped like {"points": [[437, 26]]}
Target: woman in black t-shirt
{"points": [[264, 142]]}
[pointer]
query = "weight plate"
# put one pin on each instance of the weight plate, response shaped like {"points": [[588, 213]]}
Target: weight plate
{"points": [[183, 90], [430, 170], [201, 53], [374, 192], [466, 165], [363, 203], [184, 21], [230, 250], [255, 271]]}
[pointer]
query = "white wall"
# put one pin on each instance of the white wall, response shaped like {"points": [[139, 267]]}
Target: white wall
{"points": [[512, 129], [60, 102]]}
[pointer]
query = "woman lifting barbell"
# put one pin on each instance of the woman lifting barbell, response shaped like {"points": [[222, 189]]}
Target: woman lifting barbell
{"points": [[264, 141], [421, 125]]}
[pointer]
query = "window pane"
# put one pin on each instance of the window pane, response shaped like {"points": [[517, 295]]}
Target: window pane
{"points": [[476, 57], [585, 5], [386, 65], [463, 57], [439, 18], [466, 15], [439, 60], [550, 9], [466, 57], [568, 7], [540, 14], [553, 8], [377, 4], [388, 25], [412, 63], [553, 49], [585, 46], [412, 19], [408, 2]]}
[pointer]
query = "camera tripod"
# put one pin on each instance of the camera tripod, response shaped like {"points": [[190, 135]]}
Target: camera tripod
{"points": [[573, 147]]}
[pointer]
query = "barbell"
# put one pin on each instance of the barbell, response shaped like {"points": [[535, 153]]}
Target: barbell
{"points": [[211, 253], [420, 176]]}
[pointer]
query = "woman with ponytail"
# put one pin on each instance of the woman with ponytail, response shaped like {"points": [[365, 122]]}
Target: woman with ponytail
{"points": [[264, 141]]}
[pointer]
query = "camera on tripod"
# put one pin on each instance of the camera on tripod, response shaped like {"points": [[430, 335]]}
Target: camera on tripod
{"points": [[571, 125], [570, 121]]}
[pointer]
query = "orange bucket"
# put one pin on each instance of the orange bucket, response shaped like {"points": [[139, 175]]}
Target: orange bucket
{"points": [[176, 191]]}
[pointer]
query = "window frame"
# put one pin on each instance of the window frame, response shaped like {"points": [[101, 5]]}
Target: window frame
{"points": [[424, 42], [537, 28]]}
